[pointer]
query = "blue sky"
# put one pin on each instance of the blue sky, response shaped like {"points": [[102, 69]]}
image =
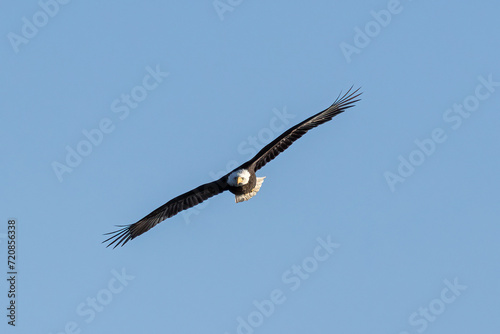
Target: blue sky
{"points": [[384, 220]]}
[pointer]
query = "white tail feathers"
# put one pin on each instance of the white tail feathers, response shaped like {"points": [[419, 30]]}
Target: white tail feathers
{"points": [[247, 196]]}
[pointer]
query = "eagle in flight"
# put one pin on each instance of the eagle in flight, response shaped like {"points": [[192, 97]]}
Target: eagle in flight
{"points": [[241, 181]]}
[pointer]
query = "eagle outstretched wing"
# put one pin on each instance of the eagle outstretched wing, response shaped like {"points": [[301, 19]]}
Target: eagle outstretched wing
{"points": [[167, 210], [271, 151]]}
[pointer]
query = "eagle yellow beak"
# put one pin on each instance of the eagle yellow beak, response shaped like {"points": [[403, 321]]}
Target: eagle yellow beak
{"points": [[239, 180]]}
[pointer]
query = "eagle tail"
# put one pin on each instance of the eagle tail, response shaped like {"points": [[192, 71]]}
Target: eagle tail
{"points": [[247, 196]]}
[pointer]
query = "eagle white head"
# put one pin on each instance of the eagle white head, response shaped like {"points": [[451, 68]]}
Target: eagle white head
{"points": [[238, 178]]}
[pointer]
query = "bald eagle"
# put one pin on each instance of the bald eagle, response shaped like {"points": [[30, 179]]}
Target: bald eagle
{"points": [[241, 181]]}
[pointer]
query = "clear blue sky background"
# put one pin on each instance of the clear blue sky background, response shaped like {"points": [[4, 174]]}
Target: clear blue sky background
{"points": [[400, 245]]}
